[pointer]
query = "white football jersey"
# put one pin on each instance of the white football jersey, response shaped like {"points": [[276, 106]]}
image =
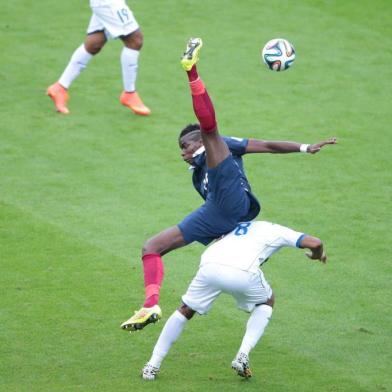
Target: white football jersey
{"points": [[99, 3], [250, 244]]}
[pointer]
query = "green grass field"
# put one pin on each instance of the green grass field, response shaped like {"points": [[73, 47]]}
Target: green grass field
{"points": [[80, 194]]}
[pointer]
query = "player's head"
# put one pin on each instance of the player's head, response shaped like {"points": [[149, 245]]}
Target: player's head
{"points": [[189, 141]]}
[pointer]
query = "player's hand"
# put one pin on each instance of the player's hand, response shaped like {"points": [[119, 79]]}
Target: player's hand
{"points": [[314, 148], [313, 256]]}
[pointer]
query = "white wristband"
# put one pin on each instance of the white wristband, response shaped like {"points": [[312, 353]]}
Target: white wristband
{"points": [[304, 147]]}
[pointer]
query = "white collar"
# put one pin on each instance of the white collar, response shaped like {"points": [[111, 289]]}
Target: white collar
{"points": [[199, 151]]}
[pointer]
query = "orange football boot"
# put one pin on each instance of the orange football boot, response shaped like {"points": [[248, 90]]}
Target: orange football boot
{"points": [[133, 102], [59, 96]]}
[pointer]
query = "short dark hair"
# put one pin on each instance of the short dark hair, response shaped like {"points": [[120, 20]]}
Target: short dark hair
{"points": [[188, 129]]}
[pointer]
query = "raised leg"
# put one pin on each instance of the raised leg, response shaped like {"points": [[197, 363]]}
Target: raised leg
{"points": [[216, 148]]}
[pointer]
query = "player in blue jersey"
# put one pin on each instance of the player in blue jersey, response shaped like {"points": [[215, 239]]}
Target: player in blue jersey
{"points": [[219, 178], [225, 187]]}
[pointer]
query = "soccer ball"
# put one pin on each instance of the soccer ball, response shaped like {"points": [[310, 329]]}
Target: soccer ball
{"points": [[278, 54]]}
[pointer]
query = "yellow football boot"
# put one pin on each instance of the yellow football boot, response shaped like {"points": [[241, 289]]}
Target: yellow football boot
{"points": [[142, 317], [191, 54]]}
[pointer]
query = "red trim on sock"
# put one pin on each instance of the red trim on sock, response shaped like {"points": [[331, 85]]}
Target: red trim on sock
{"points": [[152, 289], [151, 301], [197, 87], [148, 255]]}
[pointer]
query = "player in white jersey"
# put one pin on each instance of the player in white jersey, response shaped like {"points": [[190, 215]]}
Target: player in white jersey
{"points": [[232, 265], [110, 19]]}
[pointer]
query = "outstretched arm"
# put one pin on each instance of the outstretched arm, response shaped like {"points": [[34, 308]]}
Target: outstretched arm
{"points": [[278, 147], [316, 248]]}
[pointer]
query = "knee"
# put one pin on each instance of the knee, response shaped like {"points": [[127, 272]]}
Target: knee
{"points": [[134, 41], [138, 42], [155, 244], [270, 301], [149, 247], [186, 311], [164, 242], [94, 47]]}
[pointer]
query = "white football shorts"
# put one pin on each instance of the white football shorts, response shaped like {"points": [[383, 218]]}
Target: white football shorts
{"points": [[248, 288], [114, 18]]}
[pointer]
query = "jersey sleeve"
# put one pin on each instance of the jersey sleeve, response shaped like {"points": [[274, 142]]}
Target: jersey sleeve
{"points": [[237, 146], [287, 237]]}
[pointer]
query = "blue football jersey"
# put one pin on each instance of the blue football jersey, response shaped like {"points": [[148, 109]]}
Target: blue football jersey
{"points": [[227, 195], [237, 148]]}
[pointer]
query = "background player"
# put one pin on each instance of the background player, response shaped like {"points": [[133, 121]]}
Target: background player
{"points": [[110, 19], [231, 265], [227, 193]]}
